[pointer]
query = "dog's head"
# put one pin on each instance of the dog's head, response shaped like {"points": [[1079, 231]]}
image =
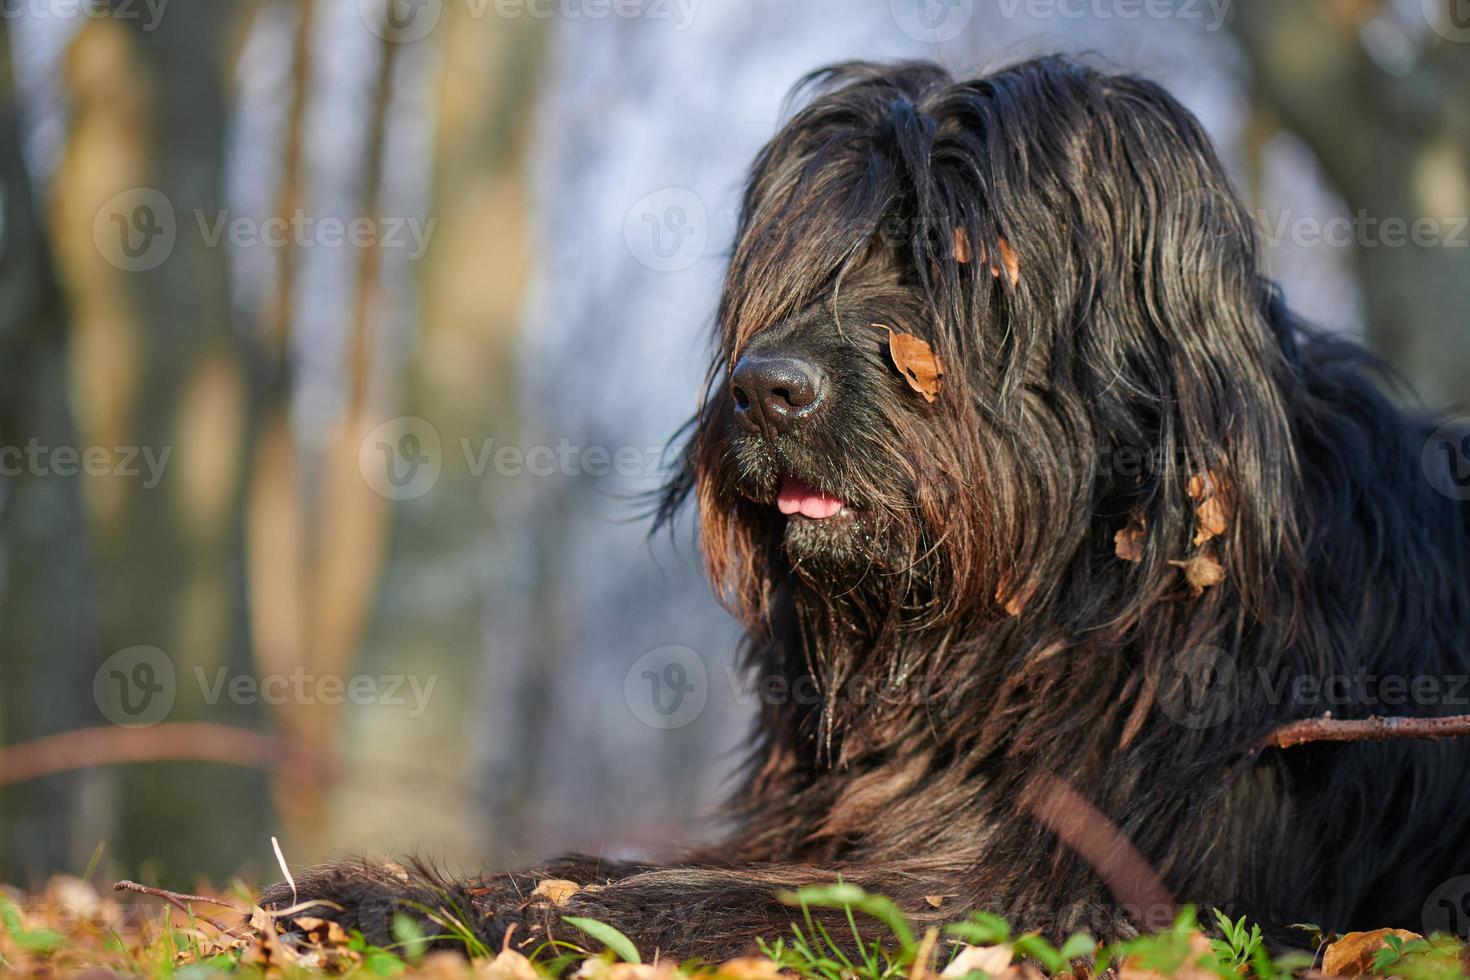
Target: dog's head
{"points": [[1089, 339]]}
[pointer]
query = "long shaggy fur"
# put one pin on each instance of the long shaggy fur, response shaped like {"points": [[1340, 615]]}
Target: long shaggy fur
{"points": [[974, 632]]}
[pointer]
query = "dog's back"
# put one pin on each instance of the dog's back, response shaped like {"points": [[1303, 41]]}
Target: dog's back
{"points": [[1384, 627]]}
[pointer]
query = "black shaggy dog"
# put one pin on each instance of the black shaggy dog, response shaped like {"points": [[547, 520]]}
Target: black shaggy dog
{"points": [[1145, 519]]}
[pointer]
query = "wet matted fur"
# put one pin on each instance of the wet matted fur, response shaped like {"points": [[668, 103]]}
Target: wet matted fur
{"points": [[1115, 360]]}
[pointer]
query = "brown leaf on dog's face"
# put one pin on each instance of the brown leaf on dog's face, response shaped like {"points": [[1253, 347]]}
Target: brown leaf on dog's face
{"points": [[1200, 572], [1012, 601], [1008, 258], [916, 361], [1213, 512], [962, 253], [1129, 541], [1011, 263]]}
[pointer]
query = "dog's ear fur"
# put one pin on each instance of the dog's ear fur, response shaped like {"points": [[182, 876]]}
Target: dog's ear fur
{"points": [[1181, 346]]}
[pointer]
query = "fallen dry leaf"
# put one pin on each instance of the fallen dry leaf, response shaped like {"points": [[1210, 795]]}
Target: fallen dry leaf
{"points": [[1011, 263], [1213, 512], [447, 963], [508, 965], [1200, 572], [601, 969], [921, 967], [749, 968], [1013, 602], [1213, 520], [261, 920], [1022, 971], [1352, 955], [991, 960], [962, 253], [934, 900], [201, 946], [556, 890], [916, 361], [321, 931], [1190, 969], [269, 953], [1129, 541]]}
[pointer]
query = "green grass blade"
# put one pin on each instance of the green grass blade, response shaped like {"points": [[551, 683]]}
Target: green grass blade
{"points": [[620, 944]]}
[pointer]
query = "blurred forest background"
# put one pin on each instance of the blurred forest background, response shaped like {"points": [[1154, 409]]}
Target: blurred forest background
{"points": [[237, 449]]}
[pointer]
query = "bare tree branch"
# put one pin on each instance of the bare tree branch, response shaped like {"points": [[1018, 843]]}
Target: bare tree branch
{"points": [[174, 742], [1372, 729]]}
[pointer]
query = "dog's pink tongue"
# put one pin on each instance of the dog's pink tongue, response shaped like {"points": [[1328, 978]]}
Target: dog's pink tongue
{"points": [[799, 497]]}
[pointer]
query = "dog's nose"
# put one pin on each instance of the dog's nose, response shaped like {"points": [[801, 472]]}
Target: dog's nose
{"points": [[772, 391]]}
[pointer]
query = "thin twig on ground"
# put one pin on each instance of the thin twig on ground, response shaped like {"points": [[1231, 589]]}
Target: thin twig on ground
{"points": [[179, 901]]}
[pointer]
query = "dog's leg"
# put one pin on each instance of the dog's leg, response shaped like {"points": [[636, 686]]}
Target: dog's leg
{"points": [[677, 912]]}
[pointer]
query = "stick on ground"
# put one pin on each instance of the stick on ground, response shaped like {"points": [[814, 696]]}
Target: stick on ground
{"points": [[180, 900]]}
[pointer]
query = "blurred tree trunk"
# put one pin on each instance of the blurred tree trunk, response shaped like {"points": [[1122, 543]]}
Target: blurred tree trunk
{"points": [[174, 558], [1396, 146], [275, 510], [335, 557], [47, 630]]}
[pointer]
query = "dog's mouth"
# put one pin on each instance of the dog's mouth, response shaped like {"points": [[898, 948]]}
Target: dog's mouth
{"points": [[798, 498], [822, 529]]}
